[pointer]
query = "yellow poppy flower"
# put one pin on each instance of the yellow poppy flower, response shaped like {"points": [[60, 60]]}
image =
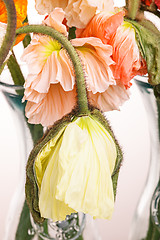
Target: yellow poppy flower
{"points": [[73, 171]]}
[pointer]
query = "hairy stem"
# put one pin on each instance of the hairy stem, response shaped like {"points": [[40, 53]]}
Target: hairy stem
{"points": [[10, 32], [133, 7]]}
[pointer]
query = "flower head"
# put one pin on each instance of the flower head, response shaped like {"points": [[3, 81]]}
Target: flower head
{"points": [[78, 12], [75, 164], [49, 87], [126, 55], [114, 31], [47, 6]]}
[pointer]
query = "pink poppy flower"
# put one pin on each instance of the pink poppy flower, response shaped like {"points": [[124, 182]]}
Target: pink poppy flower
{"points": [[120, 35], [103, 91], [97, 63], [78, 12], [47, 6], [49, 87]]}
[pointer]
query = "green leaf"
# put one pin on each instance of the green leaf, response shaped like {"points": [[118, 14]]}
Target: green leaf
{"points": [[148, 40], [101, 118]]}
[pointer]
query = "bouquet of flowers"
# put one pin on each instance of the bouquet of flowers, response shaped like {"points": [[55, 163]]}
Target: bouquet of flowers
{"points": [[81, 61]]}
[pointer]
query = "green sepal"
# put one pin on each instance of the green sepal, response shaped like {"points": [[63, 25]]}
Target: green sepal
{"points": [[26, 40], [31, 188], [148, 40], [101, 118], [72, 33]]}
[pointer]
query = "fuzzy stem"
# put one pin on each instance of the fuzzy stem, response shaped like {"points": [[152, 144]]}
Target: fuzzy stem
{"points": [[10, 32], [15, 70], [133, 6], [80, 79]]}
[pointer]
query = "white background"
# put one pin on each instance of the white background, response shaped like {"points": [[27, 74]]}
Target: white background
{"points": [[131, 129]]}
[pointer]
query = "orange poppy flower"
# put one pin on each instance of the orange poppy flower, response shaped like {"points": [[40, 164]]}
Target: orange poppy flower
{"points": [[21, 10]]}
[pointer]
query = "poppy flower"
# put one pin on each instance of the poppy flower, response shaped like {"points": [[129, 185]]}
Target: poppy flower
{"points": [[74, 165]]}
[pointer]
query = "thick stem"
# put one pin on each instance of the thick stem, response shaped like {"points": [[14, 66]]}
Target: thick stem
{"points": [[80, 79], [15, 70], [10, 32], [133, 6]]}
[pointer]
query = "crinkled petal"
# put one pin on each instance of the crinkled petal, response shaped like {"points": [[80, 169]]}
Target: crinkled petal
{"points": [[55, 20], [80, 12], [87, 158], [47, 6], [46, 167], [111, 99], [53, 106], [47, 66], [97, 61], [35, 54], [73, 167], [125, 54], [102, 26]]}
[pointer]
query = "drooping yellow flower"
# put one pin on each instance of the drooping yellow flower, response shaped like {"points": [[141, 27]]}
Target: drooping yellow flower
{"points": [[74, 169]]}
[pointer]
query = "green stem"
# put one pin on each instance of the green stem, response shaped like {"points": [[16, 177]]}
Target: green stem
{"points": [[80, 79], [133, 6], [15, 70], [10, 32]]}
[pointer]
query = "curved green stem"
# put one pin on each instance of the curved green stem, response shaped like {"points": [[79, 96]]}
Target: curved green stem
{"points": [[10, 32], [133, 6], [80, 79]]}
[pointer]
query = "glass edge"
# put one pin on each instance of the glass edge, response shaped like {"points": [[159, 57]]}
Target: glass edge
{"points": [[12, 86]]}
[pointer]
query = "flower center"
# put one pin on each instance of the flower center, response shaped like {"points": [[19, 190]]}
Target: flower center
{"points": [[52, 45]]}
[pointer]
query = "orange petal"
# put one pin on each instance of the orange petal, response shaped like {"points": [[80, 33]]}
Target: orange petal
{"points": [[21, 9], [126, 55], [102, 26]]}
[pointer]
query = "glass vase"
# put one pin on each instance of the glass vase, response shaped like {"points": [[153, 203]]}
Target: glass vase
{"points": [[19, 223], [145, 223]]}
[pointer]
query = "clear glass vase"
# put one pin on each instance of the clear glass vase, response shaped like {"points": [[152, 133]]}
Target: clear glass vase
{"points": [[19, 220], [145, 222]]}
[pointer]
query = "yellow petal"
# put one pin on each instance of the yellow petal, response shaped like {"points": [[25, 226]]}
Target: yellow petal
{"points": [[46, 167], [74, 171], [87, 158]]}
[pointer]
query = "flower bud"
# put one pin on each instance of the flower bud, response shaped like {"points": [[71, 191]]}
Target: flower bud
{"points": [[74, 169]]}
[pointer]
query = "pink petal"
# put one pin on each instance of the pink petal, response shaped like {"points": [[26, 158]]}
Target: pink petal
{"points": [[55, 19], [111, 99], [97, 61], [54, 106]]}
